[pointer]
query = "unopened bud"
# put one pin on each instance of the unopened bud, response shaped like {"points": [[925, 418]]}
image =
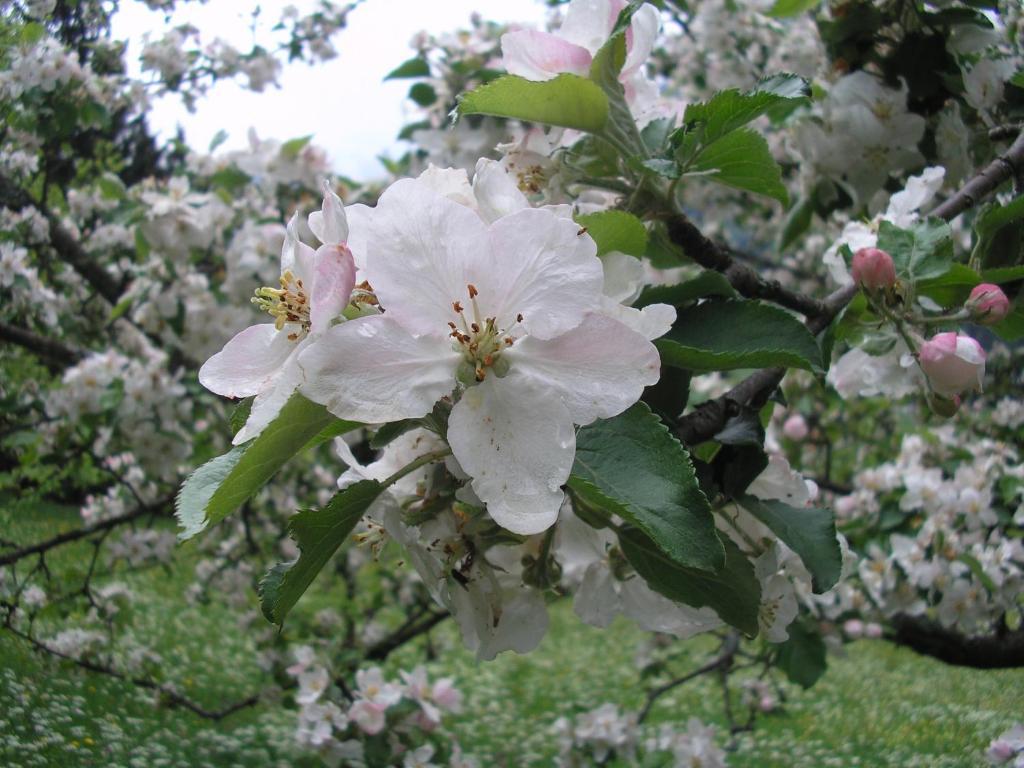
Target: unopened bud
{"points": [[873, 269], [988, 304], [954, 363], [795, 427]]}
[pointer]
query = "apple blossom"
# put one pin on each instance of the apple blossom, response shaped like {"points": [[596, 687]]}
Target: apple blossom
{"points": [[263, 360], [953, 363], [988, 303], [795, 427], [503, 316], [873, 269]]}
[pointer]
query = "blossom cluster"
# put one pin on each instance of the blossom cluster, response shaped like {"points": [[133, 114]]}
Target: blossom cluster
{"points": [[403, 717]]}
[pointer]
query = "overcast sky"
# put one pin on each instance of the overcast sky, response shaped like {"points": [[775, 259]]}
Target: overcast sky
{"points": [[343, 103]]}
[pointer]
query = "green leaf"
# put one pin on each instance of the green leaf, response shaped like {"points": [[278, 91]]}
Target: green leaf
{"points": [[111, 187], [319, 533], [706, 122], [1000, 241], [240, 415], [798, 221], [952, 288], [784, 8], [802, 656], [218, 138], [292, 147], [423, 94], [569, 100], [707, 283], [222, 485], [31, 33], [733, 592], [120, 308], [741, 159], [726, 335], [808, 531], [230, 179], [631, 466], [923, 251], [668, 169], [414, 67], [615, 231], [1011, 328]]}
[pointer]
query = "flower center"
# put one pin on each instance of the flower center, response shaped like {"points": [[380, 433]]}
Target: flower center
{"points": [[480, 340], [287, 304]]}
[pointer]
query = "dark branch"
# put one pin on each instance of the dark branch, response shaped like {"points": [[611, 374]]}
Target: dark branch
{"points": [[709, 418], [1003, 649], [1007, 166], [49, 349], [80, 533], [745, 280], [404, 634], [64, 243], [169, 695], [722, 661]]}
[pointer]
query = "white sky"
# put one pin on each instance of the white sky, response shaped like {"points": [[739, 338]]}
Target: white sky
{"points": [[343, 103]]}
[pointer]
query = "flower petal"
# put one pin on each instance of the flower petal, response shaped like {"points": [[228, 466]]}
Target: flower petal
{"points": [[651, 322], [497, 193], [248, 362], [329, 223], [296, 255], [541, 267], [372, 370], [643, 30], [518, 446], [588, 23], [358, 217], [332, 285], [271, 400], [542, 56], [417, 249], [598, 369]]}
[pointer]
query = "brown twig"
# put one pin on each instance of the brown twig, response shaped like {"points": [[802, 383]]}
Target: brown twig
{"points": [[745, 280], [1009, 165], [50, 349], [724, 660]]}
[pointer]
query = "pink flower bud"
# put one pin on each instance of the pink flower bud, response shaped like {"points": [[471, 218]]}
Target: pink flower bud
{"points": [[988, 303], [873, 269], [795, 427], [873, 630], [954, 363], [853, 628]]}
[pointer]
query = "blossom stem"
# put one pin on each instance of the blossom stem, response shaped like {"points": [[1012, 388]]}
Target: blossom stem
{"points": [[412, 466]]}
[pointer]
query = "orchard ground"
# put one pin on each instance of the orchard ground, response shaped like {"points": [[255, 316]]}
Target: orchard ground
{"points": [[878, 706]]}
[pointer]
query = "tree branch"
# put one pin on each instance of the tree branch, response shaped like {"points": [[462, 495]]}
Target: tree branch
{"points": [[64, 243], [79, 533], [172, 697], [745, 280], [1003, 649], [724, 659], [405, 633], [50, 349], [1007, 166]]}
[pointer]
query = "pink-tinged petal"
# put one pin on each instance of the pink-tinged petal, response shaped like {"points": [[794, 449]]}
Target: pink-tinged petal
{"points": [[271, 400], [542, 56], [598, 369], [329, 223], [643, 31], [334, 279], [496, 191], [291, 240], [518, 445], [248, 362], [542, 268], [374, 371], [417, 250], [588, 23]]}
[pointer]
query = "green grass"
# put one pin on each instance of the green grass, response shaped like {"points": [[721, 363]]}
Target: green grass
{"points": [[878, 706]]}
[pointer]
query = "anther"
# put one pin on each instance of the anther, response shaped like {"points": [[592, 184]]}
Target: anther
{"points": [[475, 327], [457, 307], [519, 317], [472, 291]]}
